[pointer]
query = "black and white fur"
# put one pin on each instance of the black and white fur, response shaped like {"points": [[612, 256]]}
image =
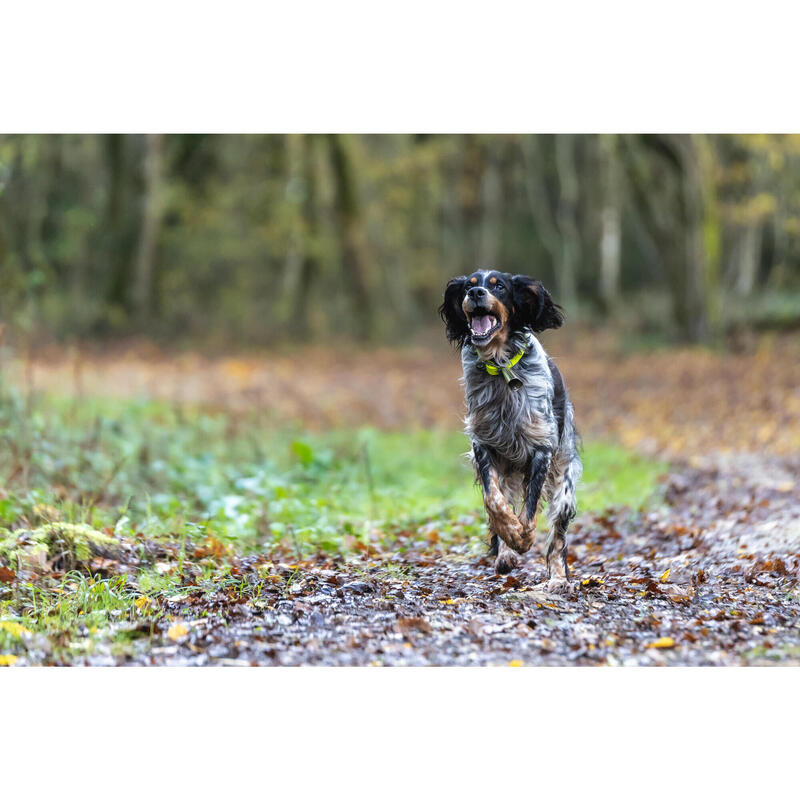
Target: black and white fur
{"points": [[524, 441]]}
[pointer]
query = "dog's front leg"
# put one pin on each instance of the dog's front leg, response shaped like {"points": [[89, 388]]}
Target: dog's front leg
{"points": [[534, 481], [537, 474], [502, 519]]}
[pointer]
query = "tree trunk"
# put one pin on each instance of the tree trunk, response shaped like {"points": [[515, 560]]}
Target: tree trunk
{"points": [[702, 237], [566, 219], [492, 206], [116, 259], [151, 221], [555, 219], [685, 224], [295, 193], [309, 264], [750, 238], [610, 222], [351, 236], [748, 258], [52, 146], [538, 201]]}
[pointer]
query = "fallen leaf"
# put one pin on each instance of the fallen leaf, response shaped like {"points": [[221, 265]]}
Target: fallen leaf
{"points": [[35, 560], [405, 624], [8, 660], [7, 575], [177, 631], [665, 577], [163, 567], [663, 642], [515, 663], [105, 564], [212, 547], [14, 628], [143, 602], [679, 594]]}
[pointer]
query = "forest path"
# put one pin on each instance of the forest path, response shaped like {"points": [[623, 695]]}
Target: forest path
{"points": [[707, 578]]}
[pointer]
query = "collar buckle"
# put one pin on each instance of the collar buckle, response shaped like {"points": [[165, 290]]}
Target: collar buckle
{"points": [[506, 371]]}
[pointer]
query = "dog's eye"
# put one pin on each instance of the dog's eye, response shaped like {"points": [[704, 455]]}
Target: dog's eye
{"points": [[499, 288]]}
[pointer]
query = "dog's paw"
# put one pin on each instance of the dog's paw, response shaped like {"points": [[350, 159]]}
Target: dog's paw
{"points": [[506, 562], [518, 539], [558, 585]]}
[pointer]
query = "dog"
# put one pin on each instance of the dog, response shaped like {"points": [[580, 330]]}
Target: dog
{"points": [[519, 416]]}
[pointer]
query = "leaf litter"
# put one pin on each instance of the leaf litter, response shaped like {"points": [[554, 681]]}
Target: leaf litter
{"points": [[676, 584]]}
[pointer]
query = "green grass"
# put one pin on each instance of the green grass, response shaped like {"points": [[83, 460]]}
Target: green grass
{"points": [[171, 472], [615, 476], [144, 471]]}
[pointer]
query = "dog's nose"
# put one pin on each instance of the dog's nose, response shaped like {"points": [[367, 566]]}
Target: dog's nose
{"points": [[476, 293]]}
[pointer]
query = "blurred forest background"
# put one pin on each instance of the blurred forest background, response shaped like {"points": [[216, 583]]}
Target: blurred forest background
{"points": [[245, 240]]}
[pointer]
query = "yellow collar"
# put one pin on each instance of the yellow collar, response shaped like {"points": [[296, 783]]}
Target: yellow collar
{"points": [[494, 369]]}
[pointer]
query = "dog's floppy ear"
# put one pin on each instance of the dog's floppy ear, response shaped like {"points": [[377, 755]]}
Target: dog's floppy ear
{"points": [[451, 312], [533, 305]]}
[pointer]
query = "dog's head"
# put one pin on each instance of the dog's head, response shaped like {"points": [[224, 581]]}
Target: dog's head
{"points": [[485, 308]]}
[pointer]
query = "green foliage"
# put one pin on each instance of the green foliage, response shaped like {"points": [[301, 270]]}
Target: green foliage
{"points": [[143, 466], [614, 476]]}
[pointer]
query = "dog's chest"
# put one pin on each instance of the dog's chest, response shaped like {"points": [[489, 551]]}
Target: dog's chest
{"points": [[513, 422]]}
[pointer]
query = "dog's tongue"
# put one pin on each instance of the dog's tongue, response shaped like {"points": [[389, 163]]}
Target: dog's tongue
{"points": [[482, 325]]}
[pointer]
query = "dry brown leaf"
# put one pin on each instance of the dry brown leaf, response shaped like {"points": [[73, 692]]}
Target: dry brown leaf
{"points": [[405, 624], [35, 560], [211, 547], [100, 564]]}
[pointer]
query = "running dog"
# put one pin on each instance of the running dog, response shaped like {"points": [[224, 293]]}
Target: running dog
{"points": [[519, 416]]}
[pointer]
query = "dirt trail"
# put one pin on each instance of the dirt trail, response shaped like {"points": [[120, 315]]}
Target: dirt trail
{"points": [[708, 578]]}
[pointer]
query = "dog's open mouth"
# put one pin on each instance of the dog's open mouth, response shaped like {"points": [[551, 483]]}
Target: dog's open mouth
{"points": [[483, 326]]}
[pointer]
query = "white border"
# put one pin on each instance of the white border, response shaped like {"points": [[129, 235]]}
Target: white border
{"points": [[643, 732], [437, 66]]}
